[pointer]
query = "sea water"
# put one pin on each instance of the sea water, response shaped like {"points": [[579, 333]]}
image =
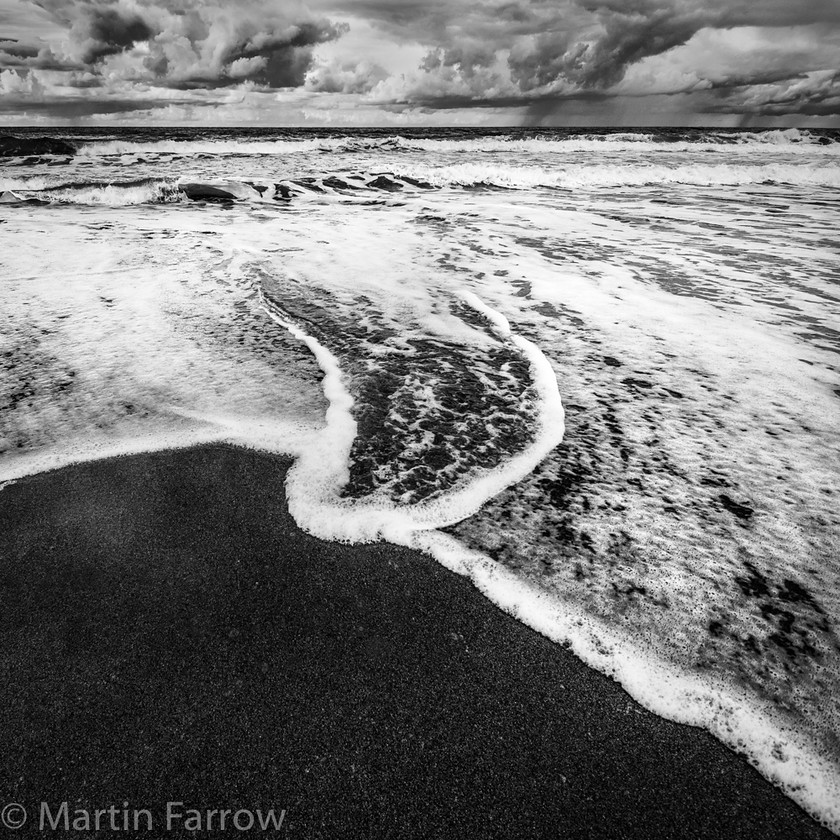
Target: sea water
{"points": [[595, 372]]}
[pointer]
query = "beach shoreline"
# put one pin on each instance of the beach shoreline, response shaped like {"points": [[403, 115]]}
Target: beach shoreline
{"points": [[169, 635]]}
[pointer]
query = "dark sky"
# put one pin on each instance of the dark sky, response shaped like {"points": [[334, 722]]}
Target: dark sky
{"points": [[409, 62]]}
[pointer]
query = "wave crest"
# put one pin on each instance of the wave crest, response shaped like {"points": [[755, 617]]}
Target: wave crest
{"points": [[789, 139]]}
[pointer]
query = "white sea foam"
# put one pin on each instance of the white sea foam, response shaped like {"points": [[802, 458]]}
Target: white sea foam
{"points": [[320, 472], [127, 336]]}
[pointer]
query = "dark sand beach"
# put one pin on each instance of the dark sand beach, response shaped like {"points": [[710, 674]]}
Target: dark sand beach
{"points": [[169, 634]]}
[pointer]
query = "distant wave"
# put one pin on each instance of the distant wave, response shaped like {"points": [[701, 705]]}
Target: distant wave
{"points": [[614, 175], [787, 139]]}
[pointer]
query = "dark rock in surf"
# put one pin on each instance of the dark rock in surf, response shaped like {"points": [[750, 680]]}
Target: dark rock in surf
{"points": [[385, 183], [423, 185], [18, 146], [337, 184], [309, 184], [220, 191]]}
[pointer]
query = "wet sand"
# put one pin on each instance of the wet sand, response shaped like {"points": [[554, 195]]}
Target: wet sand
{"points": [[169, 634]]}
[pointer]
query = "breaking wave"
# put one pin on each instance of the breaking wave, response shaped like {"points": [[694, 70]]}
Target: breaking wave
{"points": [[825, 142], [605, 175], [115, 195], [414, 178], [53, 191]]}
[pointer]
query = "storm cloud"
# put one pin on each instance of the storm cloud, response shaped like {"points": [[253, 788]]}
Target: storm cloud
{"points": [[111, 30], [770, 58], [183, 43]]}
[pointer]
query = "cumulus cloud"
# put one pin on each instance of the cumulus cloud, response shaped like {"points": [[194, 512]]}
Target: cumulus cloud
{"points": [[442, 81], [182, 43], [16, 84], [345, 77]]}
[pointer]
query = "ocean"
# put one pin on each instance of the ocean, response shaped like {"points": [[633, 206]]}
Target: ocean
{"points": [[594, 371]]}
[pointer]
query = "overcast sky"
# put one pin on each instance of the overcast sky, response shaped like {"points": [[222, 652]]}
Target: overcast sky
{"points": [[421, 62]]}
